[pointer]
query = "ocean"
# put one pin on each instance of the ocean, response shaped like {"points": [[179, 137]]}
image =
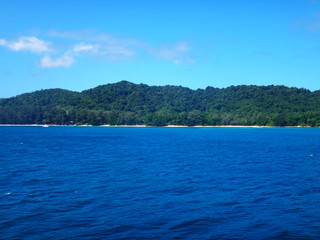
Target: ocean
{"points": [[159, 183]]}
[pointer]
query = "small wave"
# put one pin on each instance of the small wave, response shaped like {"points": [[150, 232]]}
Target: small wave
{"points": [[201, 223], [121, 229], [286, 234], [228, 204], [259, 200]]}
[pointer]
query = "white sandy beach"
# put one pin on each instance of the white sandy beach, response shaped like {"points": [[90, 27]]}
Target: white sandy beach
{"points": [[143, 126]]}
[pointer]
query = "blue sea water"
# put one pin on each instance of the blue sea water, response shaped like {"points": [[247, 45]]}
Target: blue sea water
{"points": [[159, 183]]}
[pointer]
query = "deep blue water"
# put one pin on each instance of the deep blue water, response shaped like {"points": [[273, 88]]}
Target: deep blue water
{"points": [[159, 183]]}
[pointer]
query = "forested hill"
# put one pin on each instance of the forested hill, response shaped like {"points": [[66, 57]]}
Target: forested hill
{"points": [[125, 103]]}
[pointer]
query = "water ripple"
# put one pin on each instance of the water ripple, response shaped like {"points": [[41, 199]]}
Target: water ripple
{"points": [[158, 183]]}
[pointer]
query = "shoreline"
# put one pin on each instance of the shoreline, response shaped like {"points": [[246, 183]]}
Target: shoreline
{"points": [[145, 126]]}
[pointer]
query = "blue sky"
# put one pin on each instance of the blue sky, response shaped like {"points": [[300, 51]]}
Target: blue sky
{"points": [[78, 45]]}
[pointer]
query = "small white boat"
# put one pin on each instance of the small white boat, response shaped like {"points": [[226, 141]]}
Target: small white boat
{"points": [[46, 125]]}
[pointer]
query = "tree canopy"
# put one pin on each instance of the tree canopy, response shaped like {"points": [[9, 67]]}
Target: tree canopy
{"points": [[125, 103]]}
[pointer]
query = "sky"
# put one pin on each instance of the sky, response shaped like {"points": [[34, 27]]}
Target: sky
{"points": [[78, 45]]}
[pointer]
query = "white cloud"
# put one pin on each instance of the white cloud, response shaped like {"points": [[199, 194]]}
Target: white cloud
{"points": [[175, 53], [102, 45], [116, 49], [2, 42], [82, 47], [64, 61], [112, 52], [184, 60], [31, 44], [116, 52], [181, 47], [95, 44], [92, 36]]}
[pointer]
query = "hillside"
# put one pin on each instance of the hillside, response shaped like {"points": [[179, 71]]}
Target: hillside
{"points": [[125, 103]]}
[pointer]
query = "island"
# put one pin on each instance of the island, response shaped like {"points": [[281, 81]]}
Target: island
{"points": [[126, 103]]}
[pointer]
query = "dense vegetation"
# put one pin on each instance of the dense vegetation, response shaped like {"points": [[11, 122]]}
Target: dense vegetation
{"points": [[125, 103]]}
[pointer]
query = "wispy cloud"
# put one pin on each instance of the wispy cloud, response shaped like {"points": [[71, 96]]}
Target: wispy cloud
{"points": [[64, 61], [116, 53], [31, 44], [104, 45], [92, 36], [117, 49], [83, 47], [99, 45], [68, 58], [310, 24], [175, 53]]}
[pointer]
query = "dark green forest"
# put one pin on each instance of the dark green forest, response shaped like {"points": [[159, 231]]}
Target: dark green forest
{"points": [[125, 103]]}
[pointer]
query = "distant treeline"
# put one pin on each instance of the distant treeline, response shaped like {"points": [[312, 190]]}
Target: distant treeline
{"points": [[125, 103]]}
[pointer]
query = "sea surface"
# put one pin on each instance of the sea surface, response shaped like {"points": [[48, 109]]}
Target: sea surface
{"points": [[159, 183]]}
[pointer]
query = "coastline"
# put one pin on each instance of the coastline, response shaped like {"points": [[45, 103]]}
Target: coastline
{"points": [[145, 126]]}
